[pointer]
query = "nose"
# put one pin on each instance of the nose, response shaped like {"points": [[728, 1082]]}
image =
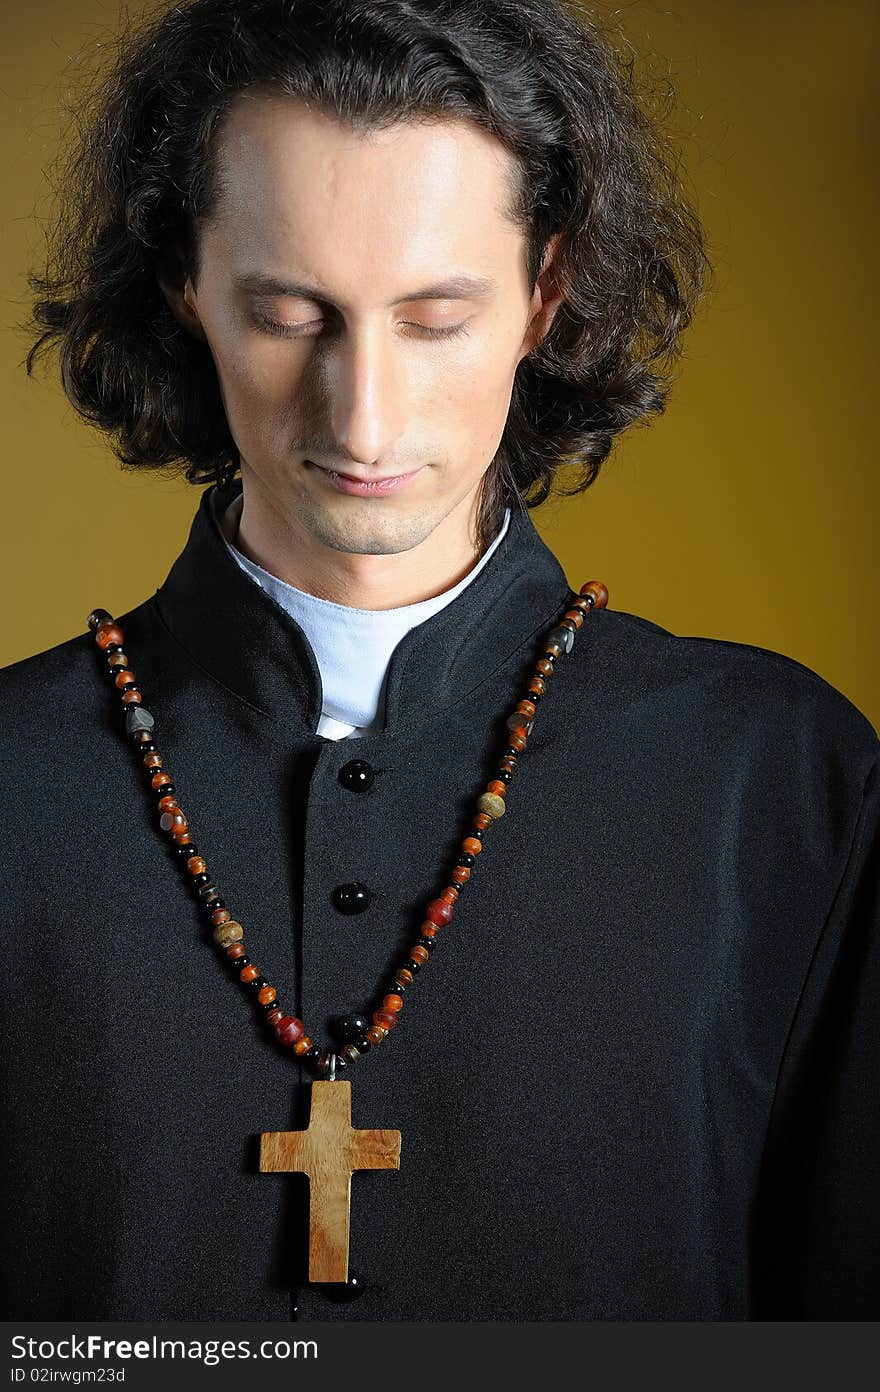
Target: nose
{"points": [[367, 393]]}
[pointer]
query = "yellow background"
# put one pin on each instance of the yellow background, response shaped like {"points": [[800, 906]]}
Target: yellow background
{"points": [[748, 511]]}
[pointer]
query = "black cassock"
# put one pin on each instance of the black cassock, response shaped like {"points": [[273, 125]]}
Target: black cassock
{"points": [[638, 1079]]}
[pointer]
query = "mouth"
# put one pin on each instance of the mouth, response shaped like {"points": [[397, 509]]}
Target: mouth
{"points": [[365, 487]]}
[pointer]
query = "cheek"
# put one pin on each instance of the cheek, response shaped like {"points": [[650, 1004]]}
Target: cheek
{"points": [[471, 389], [262, 393]]}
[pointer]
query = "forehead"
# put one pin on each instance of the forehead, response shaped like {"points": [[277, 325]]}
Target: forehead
{"points": [[300, 189]]}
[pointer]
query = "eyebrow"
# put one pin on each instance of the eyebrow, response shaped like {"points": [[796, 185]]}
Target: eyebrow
{"points": [[457, 287]]}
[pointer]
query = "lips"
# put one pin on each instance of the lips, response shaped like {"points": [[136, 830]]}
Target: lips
{"points": [[366, 487]]}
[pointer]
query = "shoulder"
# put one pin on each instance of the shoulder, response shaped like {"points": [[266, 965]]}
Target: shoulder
{"points": [[46, 696], [725, 694]]}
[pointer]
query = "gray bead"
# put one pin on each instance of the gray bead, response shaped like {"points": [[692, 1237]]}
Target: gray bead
{"points": [[563, 636], [136, 718]]}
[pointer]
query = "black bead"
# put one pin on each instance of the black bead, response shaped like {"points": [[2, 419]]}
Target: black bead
{"points": [[399, 987], [504, 775], [113, 648], [429, 943], [148, 749], [186, 851], [466, 858], [311, 1056], [348, 1027], [509, 750], [270, 1005], [211, 904], [239, 962], [476, 832], [413, 966], [202, 879], [165, 790], [342, 1291], [533, 696], [258, 983], [362, 1044]]}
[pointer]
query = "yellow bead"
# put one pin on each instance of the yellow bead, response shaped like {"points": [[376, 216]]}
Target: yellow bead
{"points": [[227, 933], [492, 805]]}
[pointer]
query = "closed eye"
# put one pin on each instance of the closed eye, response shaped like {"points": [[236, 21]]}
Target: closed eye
{"points": [[302, 330]]}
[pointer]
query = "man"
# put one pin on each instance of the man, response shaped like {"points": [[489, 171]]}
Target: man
{"points": [[387, 266]]}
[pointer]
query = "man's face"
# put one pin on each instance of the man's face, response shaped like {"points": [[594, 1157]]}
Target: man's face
{"points": [[366, 304]]}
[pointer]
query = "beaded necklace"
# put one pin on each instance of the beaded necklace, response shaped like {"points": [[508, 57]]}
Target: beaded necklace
{"points": [[330, 1150]]}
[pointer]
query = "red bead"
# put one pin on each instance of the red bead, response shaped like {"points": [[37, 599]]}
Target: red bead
{"points": [[108, 635], [196, 865], [393, 1002], [438, 911], [125, 678], [288, 1029], [275, 1015], [173, 821], [598, 591], [386, 1018], [167, 803], [132, 697], [159, 780], [249, 973]]}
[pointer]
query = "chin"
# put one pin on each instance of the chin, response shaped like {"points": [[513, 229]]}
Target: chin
{"points": [[362, 531]]}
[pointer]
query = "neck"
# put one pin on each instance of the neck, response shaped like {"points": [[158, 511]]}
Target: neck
{"points": [[282, 546]]}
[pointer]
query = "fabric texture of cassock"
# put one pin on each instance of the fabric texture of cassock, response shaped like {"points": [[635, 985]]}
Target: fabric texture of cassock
{"points": [[638, 1079]]}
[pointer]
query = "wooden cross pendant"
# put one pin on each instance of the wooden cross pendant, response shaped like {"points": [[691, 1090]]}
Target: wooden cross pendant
{"points": [[328, 1152]]}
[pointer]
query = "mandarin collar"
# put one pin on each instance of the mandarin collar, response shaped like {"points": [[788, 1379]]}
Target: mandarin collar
{"points": [[245, 640]]}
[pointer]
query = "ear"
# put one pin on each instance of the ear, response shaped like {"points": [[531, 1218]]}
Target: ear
{"points": [[176, 286], [546, 299]]}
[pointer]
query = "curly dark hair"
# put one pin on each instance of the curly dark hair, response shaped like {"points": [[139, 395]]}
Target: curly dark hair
{"points": [[537, 74]]}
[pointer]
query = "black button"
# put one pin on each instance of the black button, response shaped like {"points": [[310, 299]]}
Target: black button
{"points": [[357, 775], [351, 898]]}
